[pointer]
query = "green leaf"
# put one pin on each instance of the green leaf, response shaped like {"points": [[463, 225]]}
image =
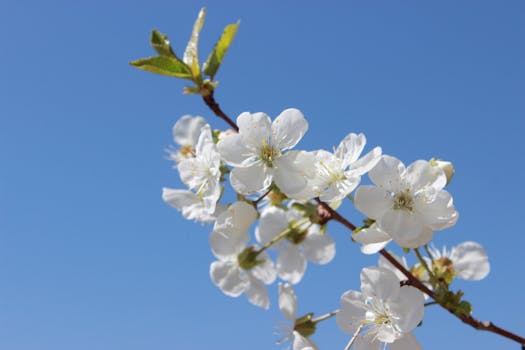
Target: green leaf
{"points": [[191, 55], [212, 64], [161, 44], [164, 65]]}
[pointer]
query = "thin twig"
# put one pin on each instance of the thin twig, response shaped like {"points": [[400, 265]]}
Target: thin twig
{"points": [[214, 106]]}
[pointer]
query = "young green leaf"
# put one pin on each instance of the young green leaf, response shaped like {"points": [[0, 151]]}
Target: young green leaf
{"points": [[217, 55], [191, 55], [164, 65], [161, 44]]}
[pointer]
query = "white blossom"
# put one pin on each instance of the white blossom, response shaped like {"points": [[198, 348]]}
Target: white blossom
{"points": [[201, 173], [192, 206], [228, 239], [407, 203], [337, 174], [186, 133], [258, 153], [288, 306], [383, 310], [469, 260], [303, 242]]}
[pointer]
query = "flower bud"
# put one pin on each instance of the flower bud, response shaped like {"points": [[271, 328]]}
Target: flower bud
{"points": [[447, 168]]}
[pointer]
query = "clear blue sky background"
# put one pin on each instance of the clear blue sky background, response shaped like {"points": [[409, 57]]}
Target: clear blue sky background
{"points": [[90, 256]]}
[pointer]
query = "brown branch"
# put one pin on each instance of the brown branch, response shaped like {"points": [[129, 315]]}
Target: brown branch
{"points": [[214, 106], [415, 282], [335, 215]]}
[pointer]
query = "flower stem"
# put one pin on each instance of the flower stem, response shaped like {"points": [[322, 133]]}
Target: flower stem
{"points": [[282, 235], [354, 337], [325, 316], [424, 263]]}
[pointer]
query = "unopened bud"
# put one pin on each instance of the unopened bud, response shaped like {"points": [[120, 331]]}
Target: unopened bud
{"points": [[447, 168]]}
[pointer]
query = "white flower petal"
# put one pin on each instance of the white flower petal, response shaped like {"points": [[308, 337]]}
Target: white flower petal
{"points": [[372, 238], [372, 234], [227, 244], [385, 264], [230, 232], [440, 213], [289, 176], [187, 129], [408, 308], [372, 201], [421, 174], [255, 129], [470, 261], [288, 128], [365, 343], [350, 148], [352, 312], [407, 342], [366, 163], [191, 206], [318, 247], [266, 271], [387, 173], [302, 343], [250, 180], [405, 228], [372, 248], [287, 302], [234, 152], [228, 277], [272, 222], [291, 264], [257, 294], [243, 215], [379, 283]]}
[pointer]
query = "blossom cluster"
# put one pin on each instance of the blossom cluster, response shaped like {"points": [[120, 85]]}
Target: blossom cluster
{"points": [[271, 225]]}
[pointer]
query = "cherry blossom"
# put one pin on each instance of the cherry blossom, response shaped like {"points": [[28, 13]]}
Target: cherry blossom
{"points": [[469, 260], [288, 306], [337, 174], [384, 310], [258, 153], [186, 133], [303, 242], [238, 270], [407, 203], [202, 173]]}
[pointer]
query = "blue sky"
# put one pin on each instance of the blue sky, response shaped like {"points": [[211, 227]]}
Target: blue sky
{"points": [[90, 256]]}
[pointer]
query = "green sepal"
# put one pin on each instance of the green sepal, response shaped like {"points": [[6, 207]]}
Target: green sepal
{"points": [[164, 65], [305, 326], [247, 259], [212, 64]]}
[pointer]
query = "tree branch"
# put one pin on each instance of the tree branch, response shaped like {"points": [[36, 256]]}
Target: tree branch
{"points": [[214, 106], [415, 282]]}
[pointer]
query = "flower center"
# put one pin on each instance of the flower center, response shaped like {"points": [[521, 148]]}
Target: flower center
{"points": [[268, 154], [403, 201]]}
